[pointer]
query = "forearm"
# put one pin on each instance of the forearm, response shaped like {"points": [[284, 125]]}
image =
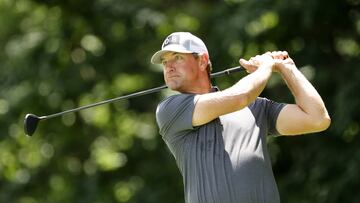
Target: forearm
{"points": [[238, 96], [306, 96], [248, 88]]}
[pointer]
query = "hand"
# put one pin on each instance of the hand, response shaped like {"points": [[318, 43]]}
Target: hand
{"points": [[282, 60], [254, 63]]}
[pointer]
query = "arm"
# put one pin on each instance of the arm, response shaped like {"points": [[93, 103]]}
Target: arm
{"points": [[309, 113], [212, 105]]}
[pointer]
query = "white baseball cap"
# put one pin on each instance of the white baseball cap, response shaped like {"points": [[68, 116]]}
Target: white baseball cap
{"points": [[181, 42]]}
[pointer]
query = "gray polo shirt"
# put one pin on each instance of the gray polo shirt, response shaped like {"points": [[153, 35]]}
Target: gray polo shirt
{"points": [[225, 160]]}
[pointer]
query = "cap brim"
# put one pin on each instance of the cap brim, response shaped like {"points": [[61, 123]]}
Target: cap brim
{"points": [[156, 58]]}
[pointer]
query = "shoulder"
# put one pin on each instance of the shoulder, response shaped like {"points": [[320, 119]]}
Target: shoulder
{"points": [[174, 104], [175, 100], [174, 114]]}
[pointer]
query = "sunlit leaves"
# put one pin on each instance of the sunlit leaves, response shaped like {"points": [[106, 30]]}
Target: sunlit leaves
{"points": [[347, 47], [186, 22], [106, 155], [266, 21], [308, 71], [124, 190], [118, 31], [297, 44], [236, 49], [93, 44], [351, 131], [128, 83], [19, 46], [234, 1], [78, 55], [149, 16], [4, 106]]}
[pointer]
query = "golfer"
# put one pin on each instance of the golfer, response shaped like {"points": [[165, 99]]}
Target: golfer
{"points": [[218, 137]]}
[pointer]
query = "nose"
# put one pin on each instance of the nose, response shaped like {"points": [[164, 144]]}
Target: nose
{"points": [[169, 66]]}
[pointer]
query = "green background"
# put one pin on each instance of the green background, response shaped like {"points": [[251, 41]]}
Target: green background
{"points": [[61, 54]]}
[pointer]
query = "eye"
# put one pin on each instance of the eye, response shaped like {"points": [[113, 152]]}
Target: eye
{"points": [[178, 57], [164, 62]]}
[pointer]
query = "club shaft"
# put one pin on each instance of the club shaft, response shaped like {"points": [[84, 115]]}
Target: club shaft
{"points": [[136, 94], [227, 72]]}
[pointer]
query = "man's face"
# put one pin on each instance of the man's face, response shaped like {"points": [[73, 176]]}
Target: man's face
{"points": [[180, 70]]}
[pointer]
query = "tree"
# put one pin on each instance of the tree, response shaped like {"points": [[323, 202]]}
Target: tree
{"points": [[62, 54]]}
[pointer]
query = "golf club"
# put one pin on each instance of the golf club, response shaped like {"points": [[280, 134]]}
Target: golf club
{"points": [[31, 120]]}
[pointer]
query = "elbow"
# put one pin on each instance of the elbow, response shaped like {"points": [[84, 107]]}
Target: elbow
{"points": [[327, 122], [323, 123], [243, 101]]}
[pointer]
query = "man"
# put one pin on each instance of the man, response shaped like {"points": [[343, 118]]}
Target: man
{"points": [[218, 138]]}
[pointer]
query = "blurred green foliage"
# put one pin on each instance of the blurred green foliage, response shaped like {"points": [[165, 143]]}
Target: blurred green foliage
{"points": [[56, 55]]}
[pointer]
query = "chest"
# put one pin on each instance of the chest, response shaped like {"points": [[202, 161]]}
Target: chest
{"points": [[242, 131], [239, 121]]}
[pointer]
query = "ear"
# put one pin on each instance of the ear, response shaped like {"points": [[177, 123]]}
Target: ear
{"points": [[203, 61]]}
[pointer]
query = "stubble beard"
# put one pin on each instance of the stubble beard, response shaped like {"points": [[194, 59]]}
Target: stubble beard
{"points": [[175, 84]]}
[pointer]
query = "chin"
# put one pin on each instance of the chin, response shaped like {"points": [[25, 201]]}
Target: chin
{"points": [[170, 85], [173, 86]]}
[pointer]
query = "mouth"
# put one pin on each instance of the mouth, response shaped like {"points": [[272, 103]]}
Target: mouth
{"points": [[172, 76]]}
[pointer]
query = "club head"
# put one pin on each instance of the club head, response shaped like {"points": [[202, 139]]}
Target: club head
{"points": [[30, 123]]}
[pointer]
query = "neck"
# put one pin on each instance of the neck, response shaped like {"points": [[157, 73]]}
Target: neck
{"points": [[199, 87]]}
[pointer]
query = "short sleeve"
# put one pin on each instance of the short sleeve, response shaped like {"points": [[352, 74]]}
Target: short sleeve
{"points": [[266, 110], [174, 115], [272, 111]]}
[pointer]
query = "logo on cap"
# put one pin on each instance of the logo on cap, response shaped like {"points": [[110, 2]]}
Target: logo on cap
{"points": [[172, 39]]}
